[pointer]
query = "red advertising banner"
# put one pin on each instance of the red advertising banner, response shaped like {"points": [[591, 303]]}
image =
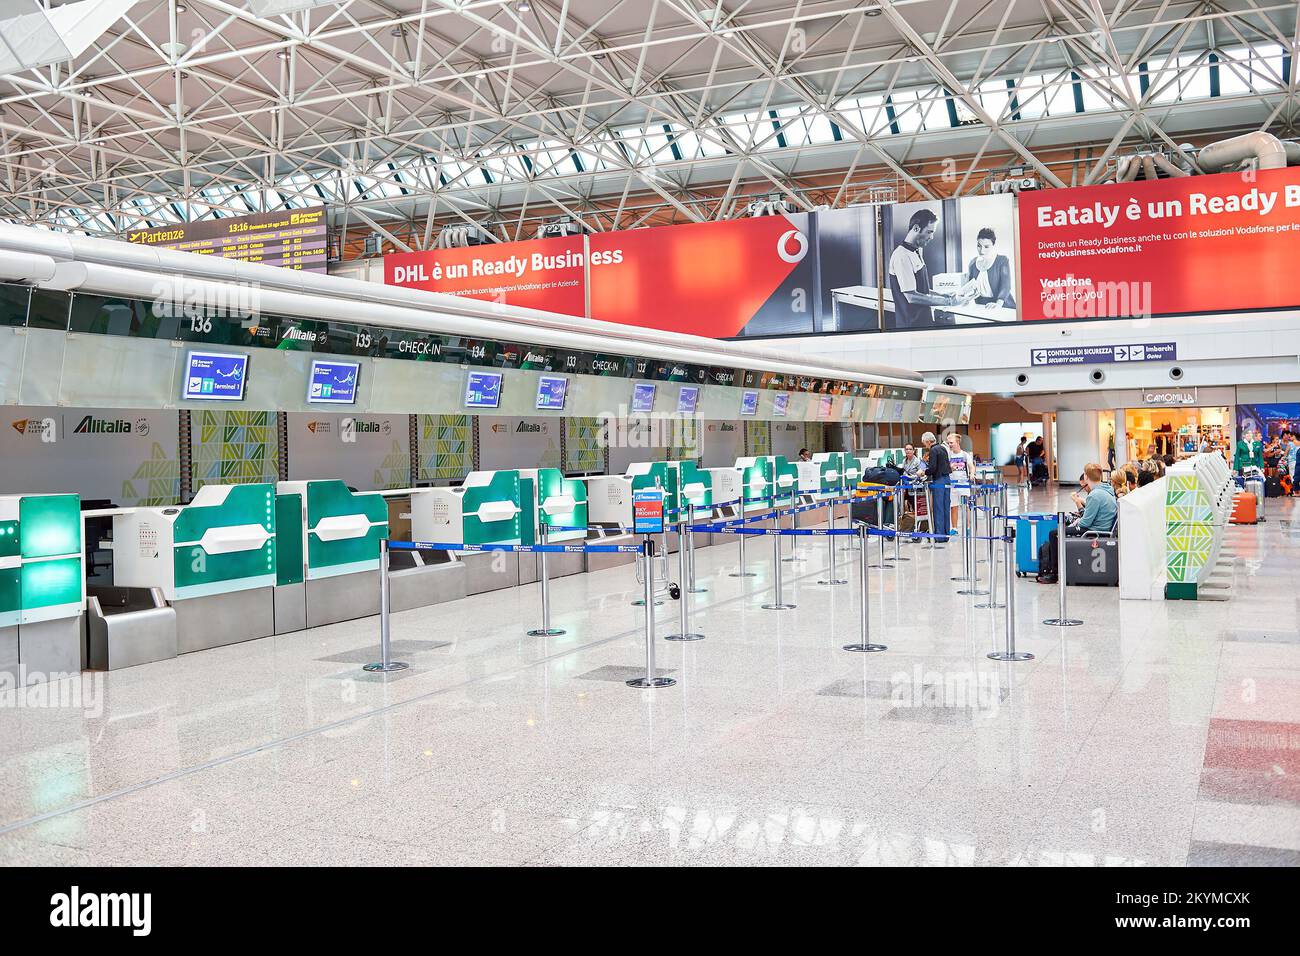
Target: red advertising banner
{"points": [[1226, 242], [546, 274], [714, 278]]}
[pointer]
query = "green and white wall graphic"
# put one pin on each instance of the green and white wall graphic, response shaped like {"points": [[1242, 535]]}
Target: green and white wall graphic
{"points": [[233, 447]]}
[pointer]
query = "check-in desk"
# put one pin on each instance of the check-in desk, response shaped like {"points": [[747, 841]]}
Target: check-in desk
{"points": [[42, 586], [609, 503], [338, 533], [559, 503], [213, 561], [486, 508]]}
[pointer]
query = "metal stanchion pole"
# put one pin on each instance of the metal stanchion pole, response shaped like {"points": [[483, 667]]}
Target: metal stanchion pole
{"points": [[973, 528], [992, 602], [650, 680], [898, 524], [929, 517], [742, 573], [1009, 652], [544, 580], [864, 586], [689, 583], [964, 532], [794, 526], [386, 662], [880, 525], [831, 573], [777, 604], [1062, 619], [684, 597]]}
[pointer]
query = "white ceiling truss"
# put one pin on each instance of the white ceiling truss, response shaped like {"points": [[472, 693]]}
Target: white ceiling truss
{"points": [[403, 116]]}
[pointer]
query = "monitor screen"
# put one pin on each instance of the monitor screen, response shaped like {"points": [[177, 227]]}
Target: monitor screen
{"points": [[333, 383], [780, 403], [643, 397], [550, 391], [215, 376], [483, 390], [687, 399], [825, 404], [749, 403]]}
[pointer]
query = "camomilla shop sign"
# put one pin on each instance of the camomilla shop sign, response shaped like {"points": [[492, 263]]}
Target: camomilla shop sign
{"points": [[1169, 396]]}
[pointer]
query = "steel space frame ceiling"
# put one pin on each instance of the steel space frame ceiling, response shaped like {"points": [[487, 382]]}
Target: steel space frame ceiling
{"points": [[409, 115]]}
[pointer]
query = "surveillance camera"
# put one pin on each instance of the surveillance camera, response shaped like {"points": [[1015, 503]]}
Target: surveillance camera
{"points": [[1022, 379], [949, 381]]}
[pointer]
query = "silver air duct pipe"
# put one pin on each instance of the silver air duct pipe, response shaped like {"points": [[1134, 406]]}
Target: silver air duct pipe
{"points": [[141, 284], [164, 262], [25, 267]]}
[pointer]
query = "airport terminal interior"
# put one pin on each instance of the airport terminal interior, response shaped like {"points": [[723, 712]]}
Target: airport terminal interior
{"points": [[649, 433]]}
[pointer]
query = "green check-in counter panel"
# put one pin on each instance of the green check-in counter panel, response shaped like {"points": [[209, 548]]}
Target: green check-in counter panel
{"points": [[560, 503], [41, 565], [222, 541], [487, 508], [341, 529]]}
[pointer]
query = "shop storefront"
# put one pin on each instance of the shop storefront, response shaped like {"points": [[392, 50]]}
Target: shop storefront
{"points": [[1177, 430]]}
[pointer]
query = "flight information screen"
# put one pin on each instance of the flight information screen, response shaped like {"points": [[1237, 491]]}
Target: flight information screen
{"points": [[291, 239]]}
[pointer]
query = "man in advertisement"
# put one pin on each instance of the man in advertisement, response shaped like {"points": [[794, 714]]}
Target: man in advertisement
{"points": [[909, 276]]}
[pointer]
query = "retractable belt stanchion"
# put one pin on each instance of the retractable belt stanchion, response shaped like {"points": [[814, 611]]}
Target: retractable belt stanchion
{"points": [[1062, 619], [864, 586], [650, 680], [964, 532], [544, 580], [831, 573], [742, 572], [386, 662], [880, 525], [973, 530], [683, 595], [689, 583], [898, 523], [777, 604], [1009, 652], [992, 602], [929, 517], [794, 526]]}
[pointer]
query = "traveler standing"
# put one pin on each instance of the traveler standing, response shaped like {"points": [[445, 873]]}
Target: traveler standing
{"points": [[938, 468]]}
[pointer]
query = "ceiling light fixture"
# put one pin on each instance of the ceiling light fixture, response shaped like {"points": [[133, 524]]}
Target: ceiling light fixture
{"points": [[872, 12], [523, 6]]}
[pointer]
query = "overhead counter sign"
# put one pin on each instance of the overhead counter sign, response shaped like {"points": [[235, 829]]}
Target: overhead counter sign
{"points": [[1103, 354]]}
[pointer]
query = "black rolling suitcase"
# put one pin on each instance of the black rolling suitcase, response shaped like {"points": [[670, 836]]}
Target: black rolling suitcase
{"points": [[1092, 561], [1273, 486]]}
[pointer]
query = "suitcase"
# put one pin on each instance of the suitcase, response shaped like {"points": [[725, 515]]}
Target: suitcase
{"points": [[1255, 486], [1030, 536], [1092, 561], [1244, 508], [1273, 487]]}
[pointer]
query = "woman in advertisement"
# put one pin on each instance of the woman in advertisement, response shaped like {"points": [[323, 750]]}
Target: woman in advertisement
{"points": [[988, 278]]}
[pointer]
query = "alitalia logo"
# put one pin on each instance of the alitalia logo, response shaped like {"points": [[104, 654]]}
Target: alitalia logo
{"points": [[529, 427], [90, 425], [295, 334]]}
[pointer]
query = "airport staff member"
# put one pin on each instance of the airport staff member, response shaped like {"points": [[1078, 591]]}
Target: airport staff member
{"points": [[939, 469], [909, 277]]}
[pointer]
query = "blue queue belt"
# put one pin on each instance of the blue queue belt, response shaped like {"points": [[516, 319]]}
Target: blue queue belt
{"points": [[521, 548]]}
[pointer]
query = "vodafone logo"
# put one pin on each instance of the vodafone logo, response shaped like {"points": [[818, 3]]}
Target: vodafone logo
{"points": [[800, 246]]}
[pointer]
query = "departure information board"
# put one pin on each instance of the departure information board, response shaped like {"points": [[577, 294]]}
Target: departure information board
{"points": [[291, 239]]}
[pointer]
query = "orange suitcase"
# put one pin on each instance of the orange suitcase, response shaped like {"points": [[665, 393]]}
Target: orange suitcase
{"points": [[1244, 508]]}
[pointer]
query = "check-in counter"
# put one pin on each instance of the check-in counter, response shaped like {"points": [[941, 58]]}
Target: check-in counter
{"points": [[559, 503], [339, 533], [486, 508], [42, 586], [609, 497], [213, 561]]}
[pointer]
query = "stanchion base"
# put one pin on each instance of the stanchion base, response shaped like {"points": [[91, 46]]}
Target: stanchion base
{"points": [[546, 632], [779, 607], [959, 577], [865, 648], [796, 557], [742, 574], [896, 559], [697, 590], [651, 682], [1013, 656], [1062, 622], [987, 606], [683, 637], [882, 567], [639, 603], [977, 592], [834, 581], [386, 668]]}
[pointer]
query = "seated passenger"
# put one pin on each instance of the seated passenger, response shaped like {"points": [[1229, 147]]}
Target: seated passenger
{"points": [[1099, 513]]}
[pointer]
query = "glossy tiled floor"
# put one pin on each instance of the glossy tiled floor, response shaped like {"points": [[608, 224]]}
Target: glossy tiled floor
{"points": [[1157, 733]]}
